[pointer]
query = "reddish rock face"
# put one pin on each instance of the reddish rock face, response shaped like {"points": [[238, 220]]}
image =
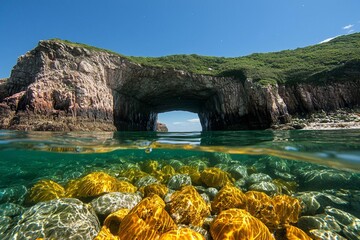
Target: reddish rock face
{"points": [[66, 88], [161, 127]]}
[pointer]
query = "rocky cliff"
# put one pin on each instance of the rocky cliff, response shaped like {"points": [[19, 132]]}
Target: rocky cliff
{"points": [[61, 87]]}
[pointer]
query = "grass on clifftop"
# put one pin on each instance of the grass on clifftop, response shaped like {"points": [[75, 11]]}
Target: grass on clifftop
{"points": [[289, 66]]}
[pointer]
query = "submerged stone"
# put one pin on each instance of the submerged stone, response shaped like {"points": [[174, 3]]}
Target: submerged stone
{"points": [[15, 194], [179, 180], [211, 192], [66, 218], [315, 202], [258, 177], [111, 202], [266, 187], [342, 217], [321, 234], [144, 181], [11, 209], [319, 179], [237, 171], [352, 231], [320, 221]]}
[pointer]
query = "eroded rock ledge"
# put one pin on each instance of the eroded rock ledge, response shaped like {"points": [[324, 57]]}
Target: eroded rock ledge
{"points": [[65, 88]]}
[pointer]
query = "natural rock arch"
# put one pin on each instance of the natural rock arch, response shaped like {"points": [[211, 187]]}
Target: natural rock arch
{"points": [[61, 87]]}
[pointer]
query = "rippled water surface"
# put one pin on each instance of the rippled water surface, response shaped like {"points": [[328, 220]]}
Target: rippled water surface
{"points": [[315, 161]]}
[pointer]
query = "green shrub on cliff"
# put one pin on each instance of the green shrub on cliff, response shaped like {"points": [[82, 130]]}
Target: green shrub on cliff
{"points": [[289, 66]]}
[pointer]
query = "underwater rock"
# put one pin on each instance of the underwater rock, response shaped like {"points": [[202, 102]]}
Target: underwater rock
{"points": [[15, 194], [199, 164], [111, 202], [319, 221], [278, 164], [211, 192], [144, 181], [200, 230], [219, 157], [179, 180], [228, 197], [315, 202], [182, 234], [95, 184], [166, 173], [222, 166], [286, 187], [11, 209], [257, 201], [238, 224], [266, 187], [284, 175], [237, 171], [280, 211], [294, 233], [5, 225], [321, 234], [342, 217], [186, 206], [147, 220], [105, 234], [276, 212], [156, 188], [320, 179], [352, 231], [113, 221], [46, 190], [215, 177], [205, 197], [176, 164], [348, 195], [193, 172], [133, 174], [65, 218], [257, 177], [149, 166], [241, 184]]}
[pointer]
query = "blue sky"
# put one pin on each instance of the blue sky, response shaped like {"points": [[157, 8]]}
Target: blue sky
{"points": [[164, 27]]}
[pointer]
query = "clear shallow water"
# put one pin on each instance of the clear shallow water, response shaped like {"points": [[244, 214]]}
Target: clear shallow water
{"points": [[316, 161]]}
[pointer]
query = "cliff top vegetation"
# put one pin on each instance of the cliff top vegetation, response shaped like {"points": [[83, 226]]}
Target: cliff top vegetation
{"points": [[288, 66]]}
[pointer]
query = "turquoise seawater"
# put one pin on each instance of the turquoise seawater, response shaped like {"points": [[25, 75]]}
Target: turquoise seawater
{"points": [[314, 162]]}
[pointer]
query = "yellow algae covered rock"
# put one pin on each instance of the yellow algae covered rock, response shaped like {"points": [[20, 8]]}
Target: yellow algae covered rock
{"points": [[97, 183], [287, 209], [277, 212], [155, 188], [215, 177], [46, 190], [228, 197], [105, 234], [294, 233], [256, 201], [182, 234], [238, 224], [150, 166], [123, 186], [186, 206], [166, 173], [112, 222], [193, 172], [147, 220], [133, 174], [286, 187]]}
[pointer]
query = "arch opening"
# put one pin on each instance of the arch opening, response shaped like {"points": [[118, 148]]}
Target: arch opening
{"points": [[180, 121]]}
